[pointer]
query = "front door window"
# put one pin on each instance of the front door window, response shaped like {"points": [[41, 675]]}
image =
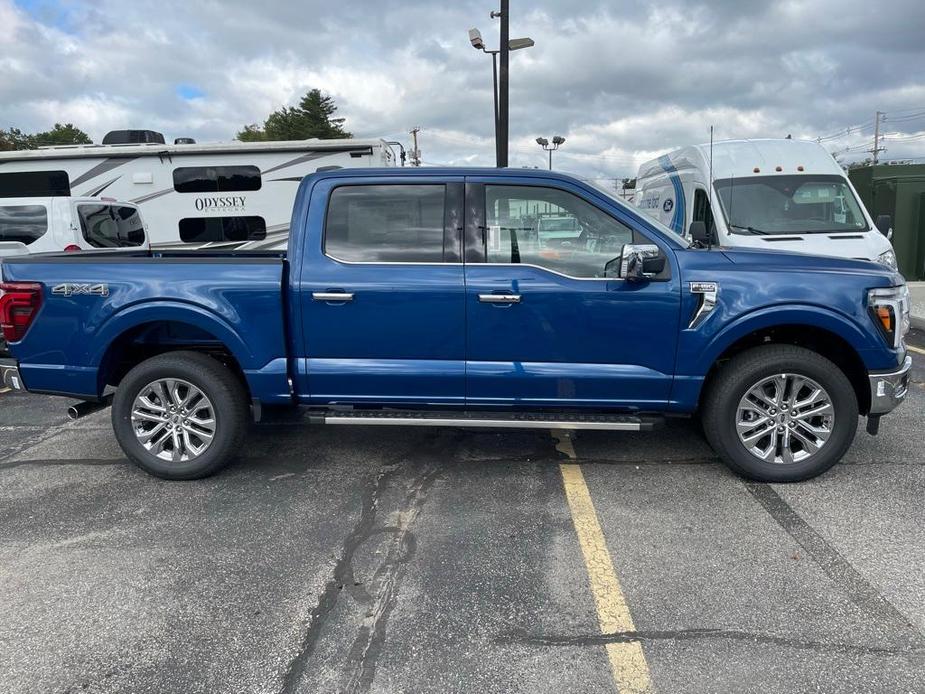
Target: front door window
{"points": [[552, 229]]}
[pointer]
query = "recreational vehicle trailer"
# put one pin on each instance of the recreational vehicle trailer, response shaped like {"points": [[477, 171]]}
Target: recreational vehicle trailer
{"points": [[222, 195]]}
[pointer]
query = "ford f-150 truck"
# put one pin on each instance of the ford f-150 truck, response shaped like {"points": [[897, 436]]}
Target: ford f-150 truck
{"points": [[428, 297]]}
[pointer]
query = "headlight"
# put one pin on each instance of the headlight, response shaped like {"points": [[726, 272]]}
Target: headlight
{"points": [[889, 308], [889, 259]]}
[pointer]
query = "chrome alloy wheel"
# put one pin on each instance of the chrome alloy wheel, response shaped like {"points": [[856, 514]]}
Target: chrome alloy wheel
{"points": [[173, 420], [785, 418]]}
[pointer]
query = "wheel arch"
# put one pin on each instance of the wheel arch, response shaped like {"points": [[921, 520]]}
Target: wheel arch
{"points": [[146, 331], [823, 341]]}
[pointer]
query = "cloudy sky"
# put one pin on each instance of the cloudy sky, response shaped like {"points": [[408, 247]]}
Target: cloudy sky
{"points": [[622, 82]]}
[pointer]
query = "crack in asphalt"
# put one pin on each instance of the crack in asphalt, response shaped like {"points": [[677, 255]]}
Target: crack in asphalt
{"points": [[39, 438], [59, 462], [364, 653], [380, 598], [833, 564], [524, 637]]}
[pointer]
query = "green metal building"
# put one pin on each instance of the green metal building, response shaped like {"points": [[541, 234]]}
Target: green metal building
{"points": [[899, 191]]}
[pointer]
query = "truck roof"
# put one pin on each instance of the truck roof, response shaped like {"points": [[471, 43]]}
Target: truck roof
{"points": [[740, 158], [438, 171]]}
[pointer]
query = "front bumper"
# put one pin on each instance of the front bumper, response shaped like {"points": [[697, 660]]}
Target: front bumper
{"points": [[9, 375], [889, 389]]}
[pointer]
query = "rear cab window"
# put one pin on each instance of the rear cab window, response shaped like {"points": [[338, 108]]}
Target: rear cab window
{"points": [[23, 223], [111, 226]]}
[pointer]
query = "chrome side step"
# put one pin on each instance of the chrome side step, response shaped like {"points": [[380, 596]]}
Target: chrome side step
{"points": [[487, 420]]}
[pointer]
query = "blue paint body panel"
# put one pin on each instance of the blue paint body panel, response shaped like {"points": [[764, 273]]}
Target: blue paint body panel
{"points": [[417, 334]]}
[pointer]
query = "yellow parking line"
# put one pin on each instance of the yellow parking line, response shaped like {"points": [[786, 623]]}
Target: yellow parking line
{"points": [[5, 390], [627, 661], [917, 350]]}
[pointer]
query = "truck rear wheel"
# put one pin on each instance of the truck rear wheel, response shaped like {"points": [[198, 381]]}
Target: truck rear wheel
{"points": [[180, 416], [780, 413]]}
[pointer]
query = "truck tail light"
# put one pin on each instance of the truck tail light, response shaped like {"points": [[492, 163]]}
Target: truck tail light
{"points": [[72, 248], [19, 304]]}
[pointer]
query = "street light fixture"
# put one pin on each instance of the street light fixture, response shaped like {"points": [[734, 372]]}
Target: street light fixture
{"points": [[544, 143], [500, 92]]}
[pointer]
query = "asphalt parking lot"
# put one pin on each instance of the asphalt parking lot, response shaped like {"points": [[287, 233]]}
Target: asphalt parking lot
{"points": [[365, 559]]}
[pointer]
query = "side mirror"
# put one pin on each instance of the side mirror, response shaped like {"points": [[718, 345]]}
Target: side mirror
{"points": [[640, 262], [885, 225], [699, 234]]}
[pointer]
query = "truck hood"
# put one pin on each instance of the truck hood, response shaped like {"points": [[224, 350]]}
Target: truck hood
{"points": [[783, 261], [867, 245]]}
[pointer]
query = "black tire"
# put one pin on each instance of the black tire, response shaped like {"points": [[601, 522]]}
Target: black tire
{"points": [[745, 370], [227, 398]]}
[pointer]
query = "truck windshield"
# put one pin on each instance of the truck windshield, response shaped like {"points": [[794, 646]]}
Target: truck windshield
{"points": [[800, 204]]}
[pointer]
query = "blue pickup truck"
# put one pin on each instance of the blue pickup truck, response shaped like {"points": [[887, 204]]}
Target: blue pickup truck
{"points": [[429, 297]]}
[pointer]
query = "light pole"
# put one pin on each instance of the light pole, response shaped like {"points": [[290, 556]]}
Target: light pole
{"points": [[545, 144], [500, 93]]}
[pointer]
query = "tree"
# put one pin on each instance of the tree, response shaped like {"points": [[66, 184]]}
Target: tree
{"points": [[14, 138], [311, 118], [67, 134], [252, 133]]}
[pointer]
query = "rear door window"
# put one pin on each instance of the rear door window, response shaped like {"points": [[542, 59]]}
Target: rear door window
{"points": [[386, 223], [23, 223], [111, 226]]}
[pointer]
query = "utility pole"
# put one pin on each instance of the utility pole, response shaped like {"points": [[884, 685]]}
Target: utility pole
{"points": [[877, 148], [415, 152], [503, 81]]}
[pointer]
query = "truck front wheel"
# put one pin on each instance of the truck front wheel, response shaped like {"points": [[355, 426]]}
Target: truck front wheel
{"points": [[780, 413], [180, 415]]}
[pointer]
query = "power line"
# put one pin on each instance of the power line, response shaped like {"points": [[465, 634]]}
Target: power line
{"points": [[906, 110], [903, 119], [904, 138]]}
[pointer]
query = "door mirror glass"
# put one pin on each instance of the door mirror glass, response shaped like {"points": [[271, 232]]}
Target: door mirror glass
{"points": [[641, 262], [885, 225]]}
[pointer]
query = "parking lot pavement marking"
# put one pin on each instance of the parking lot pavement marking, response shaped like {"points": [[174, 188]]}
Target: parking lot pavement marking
{"points": [[917, 350], [627, 661], [4, 390]]}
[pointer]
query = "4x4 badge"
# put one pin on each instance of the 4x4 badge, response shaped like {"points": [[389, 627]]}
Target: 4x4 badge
{"points": [[68, 289]]}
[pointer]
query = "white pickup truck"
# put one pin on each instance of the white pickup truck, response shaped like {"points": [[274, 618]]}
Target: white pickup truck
{"points": [[31, 225]]}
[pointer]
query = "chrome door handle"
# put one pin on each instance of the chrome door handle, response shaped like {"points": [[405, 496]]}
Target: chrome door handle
{"points": [[499, 298], [332, 296]]}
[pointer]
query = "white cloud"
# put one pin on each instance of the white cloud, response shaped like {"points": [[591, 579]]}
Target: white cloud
{"points": [[620, 84]]}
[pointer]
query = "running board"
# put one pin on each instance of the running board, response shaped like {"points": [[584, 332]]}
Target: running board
{"points": [[489, 420]]}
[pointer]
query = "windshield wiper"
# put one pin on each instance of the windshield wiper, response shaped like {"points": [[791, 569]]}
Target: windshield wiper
{"points": [[753, 230]]}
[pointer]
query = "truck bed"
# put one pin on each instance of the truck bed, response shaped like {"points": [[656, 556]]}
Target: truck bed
{"points": [[96, 305]]}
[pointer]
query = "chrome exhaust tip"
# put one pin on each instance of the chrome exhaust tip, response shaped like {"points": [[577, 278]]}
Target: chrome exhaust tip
{"points": [[82, 409]]}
